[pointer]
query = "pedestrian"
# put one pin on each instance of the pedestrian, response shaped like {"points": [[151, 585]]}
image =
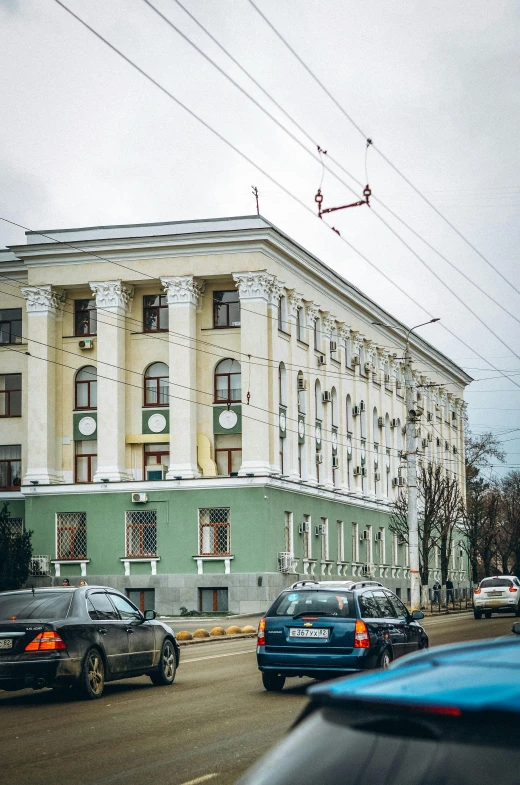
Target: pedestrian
{"points": [[437, 591], [449, 591], [65, 582], [83, 582]]}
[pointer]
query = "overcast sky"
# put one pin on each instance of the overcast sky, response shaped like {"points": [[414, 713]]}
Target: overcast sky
{"points": [[85, 140]]}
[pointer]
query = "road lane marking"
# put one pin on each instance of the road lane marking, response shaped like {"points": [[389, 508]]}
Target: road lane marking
{"points": [[216, 657], [204, 778]]}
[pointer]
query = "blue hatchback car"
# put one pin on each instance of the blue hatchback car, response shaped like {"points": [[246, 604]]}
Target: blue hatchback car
{"points": [[447, 716], [333, 628]]}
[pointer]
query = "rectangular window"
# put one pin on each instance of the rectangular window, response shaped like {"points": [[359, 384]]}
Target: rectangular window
{"points": [[141, 533], [307, 541], [325, 539], [355, 542], [214, 537], [16, 527], [213, 600], [155, 313], [341, 541], [226, 309], [300, 326], [288, 531], [156, 461], [228, 453], [10, 467], [395, 550], [71, 535], [144, 599], [370, 546], [381, 544], [85, 460], [10, 325], [85, 317], [10, 395]]}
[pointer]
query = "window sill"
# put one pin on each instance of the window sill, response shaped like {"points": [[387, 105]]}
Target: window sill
{"points": [[149, 332], [58, 562], [227, 327], [201, 559], [303, 344], [284, 334], [9, 416], [151, 560], [335, 362]]}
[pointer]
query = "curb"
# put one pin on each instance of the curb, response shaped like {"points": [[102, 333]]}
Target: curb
{"points": [[217, 639]]}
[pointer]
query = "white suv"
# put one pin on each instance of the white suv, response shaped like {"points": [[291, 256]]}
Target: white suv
{"points": [[500, 593]]}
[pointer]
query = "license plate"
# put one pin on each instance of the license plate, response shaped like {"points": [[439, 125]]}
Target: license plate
{"points": [[6, 643], [299, 632], [495, 594]]}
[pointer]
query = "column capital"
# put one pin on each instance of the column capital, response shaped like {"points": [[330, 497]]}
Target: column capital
{"points": [[329, 324], [277, 290], [112, 294], [295, 303], [312, 311], [358, 342], [254, 286], [42, 299], [182, 290]]}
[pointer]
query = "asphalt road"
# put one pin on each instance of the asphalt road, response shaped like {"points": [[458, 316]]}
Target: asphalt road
{"points": [[208, 727]]}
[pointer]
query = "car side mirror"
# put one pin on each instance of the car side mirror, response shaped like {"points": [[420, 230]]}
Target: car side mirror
{"points": [[417, 615], [516, 628], [149, 615]]}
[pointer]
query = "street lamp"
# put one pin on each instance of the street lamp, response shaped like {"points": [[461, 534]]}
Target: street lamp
{"points": [[411, 466]]}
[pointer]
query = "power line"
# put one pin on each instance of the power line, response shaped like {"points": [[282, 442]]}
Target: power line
{"points": [[250, 161], [383, 156]]}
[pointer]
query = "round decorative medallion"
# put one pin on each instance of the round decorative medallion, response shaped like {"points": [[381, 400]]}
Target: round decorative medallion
{"points": [[301, 429], [318, 433], [157, 423], [87, 426], [228, 419], [283, 421]]}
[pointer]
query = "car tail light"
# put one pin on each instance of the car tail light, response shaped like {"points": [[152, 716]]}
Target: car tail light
{"points": [[261, 633], [361, 639], [477, 591], [512, 588], [46, 641]]}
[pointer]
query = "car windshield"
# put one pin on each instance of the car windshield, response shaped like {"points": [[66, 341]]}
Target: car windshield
{"points": [[325, 603], [40, 605], [488, 583]]}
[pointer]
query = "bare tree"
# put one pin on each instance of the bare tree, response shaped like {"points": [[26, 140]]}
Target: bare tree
{"points": [[510, 488], [450, 516]]}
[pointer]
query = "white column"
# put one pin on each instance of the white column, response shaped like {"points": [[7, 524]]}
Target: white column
{"points": [[295, 302], [254, 291], [112, 302], [42, 305], [183, 295], [277, 290], [312, 311], [329, 323]]}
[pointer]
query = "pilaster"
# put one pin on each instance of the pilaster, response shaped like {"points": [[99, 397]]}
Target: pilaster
{"points": [[183, 294], [312, 311], [295, 302]]}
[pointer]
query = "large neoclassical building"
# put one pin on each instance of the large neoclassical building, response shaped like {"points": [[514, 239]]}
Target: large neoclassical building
{"points": [[197, 412]]}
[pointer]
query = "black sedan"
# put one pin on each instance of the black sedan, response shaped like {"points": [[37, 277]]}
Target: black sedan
{"points": [[80, 637]]}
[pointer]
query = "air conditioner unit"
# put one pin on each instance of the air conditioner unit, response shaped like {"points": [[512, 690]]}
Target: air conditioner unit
{"points": [[377, 476], [446, 446], [285, 561], [357, 471], [326, 397], [399, 453], [394, 423], [355, 359], [319, 457], [368, 367], [365, 569], [157, 472], [400, 541], [322, 360], [364, 471], [429, 416], [304, 527], [417, 433], [454, 450], [387, 378], [320, 529], [139, 498], [380, 421], [362, 406], [398, 482], [454, 415], [86, 343], [355, 411], [438, 442], [335, 462], [333, 346], [379, 536], [364, 535], [40, 565], [424, 443], [302, 384], [430, 437], [398, 385]]}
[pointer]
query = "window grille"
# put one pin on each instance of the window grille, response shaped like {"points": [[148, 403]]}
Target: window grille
{"points": [[141, 533], [15, 527], [214, 535], [71, 535]]}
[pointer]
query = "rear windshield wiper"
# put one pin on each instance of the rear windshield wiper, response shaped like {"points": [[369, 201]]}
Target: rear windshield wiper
{"points": [[312, 613]]}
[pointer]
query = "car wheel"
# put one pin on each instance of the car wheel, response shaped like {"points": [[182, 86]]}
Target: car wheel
{"points": [[165, 673], [92, 679], [477, 614], [273, 682], [487, 614], [384, 660]]}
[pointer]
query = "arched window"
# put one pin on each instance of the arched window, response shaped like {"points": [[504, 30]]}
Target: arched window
{"points": [[86, 388], [300, 389], [228, 382], [348, 352], [317, 334], [334, 399], [334, 343], [282, 385], [156, 383], [318, 400], [300, 325], [376, 428], [282, 314]]}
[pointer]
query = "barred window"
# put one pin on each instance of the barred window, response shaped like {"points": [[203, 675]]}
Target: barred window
{"points": [[141, 533], [15, 527], [71, 535], [214, 539]]}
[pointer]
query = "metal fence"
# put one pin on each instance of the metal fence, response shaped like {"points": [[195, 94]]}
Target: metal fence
{"points": [[457, 599]]}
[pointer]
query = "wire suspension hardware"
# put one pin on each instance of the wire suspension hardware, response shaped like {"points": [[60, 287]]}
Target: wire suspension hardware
{"points": [[367, 193]]}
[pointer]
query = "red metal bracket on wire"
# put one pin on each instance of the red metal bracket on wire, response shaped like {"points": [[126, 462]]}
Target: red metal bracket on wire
{"points": [[367, 193]]}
